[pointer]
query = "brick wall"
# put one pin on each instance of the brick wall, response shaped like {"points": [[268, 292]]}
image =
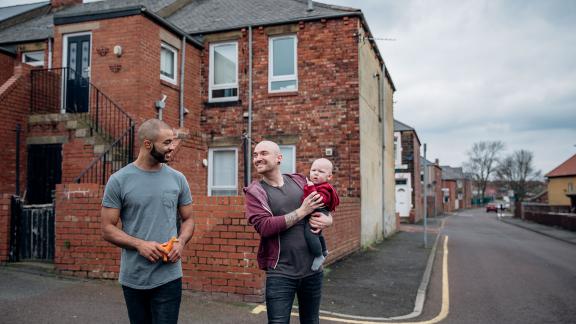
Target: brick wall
{"points": [[6, 67], [5, 214], [14, 104], [219, 260], [324, 112]]}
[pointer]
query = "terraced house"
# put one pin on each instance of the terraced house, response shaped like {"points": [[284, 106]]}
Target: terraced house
{"points": [[78, 79]]}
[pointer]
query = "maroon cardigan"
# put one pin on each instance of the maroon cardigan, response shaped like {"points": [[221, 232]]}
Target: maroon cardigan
{"points": [[259, 215], [327, 192]]}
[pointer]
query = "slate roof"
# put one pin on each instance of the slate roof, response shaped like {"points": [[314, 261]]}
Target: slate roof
{"points": [[567, 168], [13, 11], [191, 16], [401, 127], [201, 16], [450, 173]]}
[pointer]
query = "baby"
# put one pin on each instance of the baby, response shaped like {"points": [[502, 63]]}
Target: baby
{"points": [[320, 174]]}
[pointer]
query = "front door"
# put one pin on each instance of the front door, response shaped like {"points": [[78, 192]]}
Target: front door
{"points": [[78, 73], [403, 200]]}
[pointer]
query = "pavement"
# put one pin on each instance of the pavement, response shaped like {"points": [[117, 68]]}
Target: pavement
{"points": [[387, 281]]}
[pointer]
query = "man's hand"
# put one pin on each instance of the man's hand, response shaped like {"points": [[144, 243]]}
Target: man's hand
{"points": [[320, 221], [176, 252], [150, 250]]}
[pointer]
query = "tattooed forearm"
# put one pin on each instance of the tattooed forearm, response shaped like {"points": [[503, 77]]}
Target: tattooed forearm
{"points": [[291, 219]]}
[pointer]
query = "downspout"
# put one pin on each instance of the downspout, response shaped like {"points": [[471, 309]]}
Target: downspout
{"points": [[183, 57], [49, 53], [382, 107], [248, 147]]}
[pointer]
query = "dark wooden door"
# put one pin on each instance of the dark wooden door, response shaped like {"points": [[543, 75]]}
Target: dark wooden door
{"points": [[78, 75]]}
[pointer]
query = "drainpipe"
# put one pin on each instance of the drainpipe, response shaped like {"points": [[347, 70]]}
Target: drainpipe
{"points": [[49, 53], [248, 147], [183, 54], [382, 107]]}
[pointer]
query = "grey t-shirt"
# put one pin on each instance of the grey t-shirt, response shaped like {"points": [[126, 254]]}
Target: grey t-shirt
{"points": [[148, 202], [295, 258]]}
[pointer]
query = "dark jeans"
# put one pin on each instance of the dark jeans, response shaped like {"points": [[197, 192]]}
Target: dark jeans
{"points": [[160, 305], [280, 292]]}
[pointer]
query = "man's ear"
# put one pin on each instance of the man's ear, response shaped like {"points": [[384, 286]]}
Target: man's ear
{"points": [[147, 144]]}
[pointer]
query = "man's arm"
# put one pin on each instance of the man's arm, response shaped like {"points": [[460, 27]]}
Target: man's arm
{"points": [[186, 232], [111, 233], [309, 204]]}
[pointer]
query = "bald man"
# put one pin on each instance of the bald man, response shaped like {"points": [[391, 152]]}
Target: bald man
{"points": [[274, 206], [147, 195]]}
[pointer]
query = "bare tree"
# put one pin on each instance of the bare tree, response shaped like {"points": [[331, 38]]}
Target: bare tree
{"points": [[517, 171], [482, 162]]}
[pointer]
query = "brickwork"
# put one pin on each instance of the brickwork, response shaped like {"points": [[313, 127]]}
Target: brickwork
{"points": [[5, 214], [6, 67], [323, 113], [411, 157], [449, 205], [219, 260], [14, 104]]}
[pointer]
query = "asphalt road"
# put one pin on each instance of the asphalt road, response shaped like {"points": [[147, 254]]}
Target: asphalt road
{"points": [[500, 273]]}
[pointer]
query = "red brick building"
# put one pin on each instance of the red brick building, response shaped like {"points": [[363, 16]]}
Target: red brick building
{"points": [[408, 165], [457, 189], [309, 78], [434, 193]]}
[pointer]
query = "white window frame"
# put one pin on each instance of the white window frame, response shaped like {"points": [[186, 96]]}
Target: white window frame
{"points": [[292, 77], [211, 187], [40, 63], [212, 86], [175, 63], [398, 156], [293, 147]]}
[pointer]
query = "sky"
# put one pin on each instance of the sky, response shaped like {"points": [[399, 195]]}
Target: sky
{"points": [[479, 70]]}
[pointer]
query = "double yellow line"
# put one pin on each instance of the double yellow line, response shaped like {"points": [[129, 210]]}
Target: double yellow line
{"points": [[441, 316]]}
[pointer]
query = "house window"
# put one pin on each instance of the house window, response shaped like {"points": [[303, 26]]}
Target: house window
{"points": [[288, 159], [222, 172], [282, 65], [168, 61], [33, 58], [223, 72], [397, 149]]}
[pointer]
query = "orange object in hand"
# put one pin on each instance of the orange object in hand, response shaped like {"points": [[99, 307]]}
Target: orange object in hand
{"points": [[168, 247]]}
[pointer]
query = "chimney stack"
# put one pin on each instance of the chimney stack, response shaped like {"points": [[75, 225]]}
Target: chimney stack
{"points": [[58, 4], [310, 6], [437, 162]]}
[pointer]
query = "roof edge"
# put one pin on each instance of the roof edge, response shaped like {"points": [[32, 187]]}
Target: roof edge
{"points": [[62, 19]]}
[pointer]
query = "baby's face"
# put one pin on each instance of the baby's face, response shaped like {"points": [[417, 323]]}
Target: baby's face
{"points": [[320, 172]]}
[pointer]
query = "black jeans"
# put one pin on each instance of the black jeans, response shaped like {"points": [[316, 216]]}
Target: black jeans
{"points": [[160, 305], [280, 292]]}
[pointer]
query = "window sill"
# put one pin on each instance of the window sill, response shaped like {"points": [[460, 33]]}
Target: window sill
{"points": [[169, 84], [284, 94], [218, 104]]}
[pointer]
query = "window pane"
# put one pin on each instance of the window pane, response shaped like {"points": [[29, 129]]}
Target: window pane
{"points": [[32, 57], [224, 93], [288, 164], [283, 56], [167, 62], [224, 192], [224, 168], [225, 64], [283, 85]]}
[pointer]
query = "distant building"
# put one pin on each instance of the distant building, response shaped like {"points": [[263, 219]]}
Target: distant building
{"points": [[409, 197], [456, 188], [562, 183]]}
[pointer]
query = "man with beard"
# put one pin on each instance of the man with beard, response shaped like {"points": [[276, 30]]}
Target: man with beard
{"points": [[147, 195], [274, 206]]}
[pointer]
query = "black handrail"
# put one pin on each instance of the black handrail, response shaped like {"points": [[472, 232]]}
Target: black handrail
{"points": [[63, 89], [115, 157]]}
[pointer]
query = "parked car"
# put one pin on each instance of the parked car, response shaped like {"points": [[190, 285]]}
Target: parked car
{"points": [[491, 207], [494, 205]]}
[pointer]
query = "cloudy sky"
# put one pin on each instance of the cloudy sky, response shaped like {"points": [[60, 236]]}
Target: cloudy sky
{"points": [[477, 70]]}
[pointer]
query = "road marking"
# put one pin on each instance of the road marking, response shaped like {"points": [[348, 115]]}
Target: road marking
{"points": [[444, 310]]}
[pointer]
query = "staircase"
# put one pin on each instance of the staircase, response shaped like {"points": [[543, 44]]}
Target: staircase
{"points": [[89, 114]]}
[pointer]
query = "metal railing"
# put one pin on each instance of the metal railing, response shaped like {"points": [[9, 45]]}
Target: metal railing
{"points": [[64, 90], [113, 159]]}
